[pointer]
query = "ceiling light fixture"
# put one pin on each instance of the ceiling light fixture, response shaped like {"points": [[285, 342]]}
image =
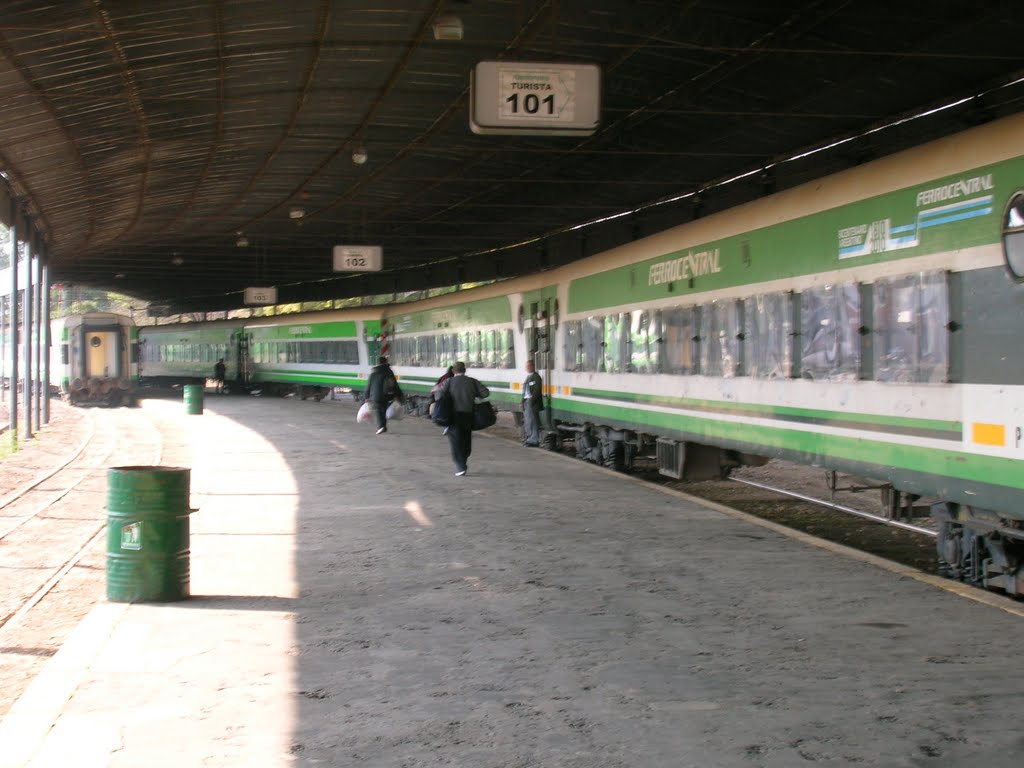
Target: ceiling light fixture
{"points": [[177, 261], [242, 241], [297, 212], [448, 27], [359, 155]]}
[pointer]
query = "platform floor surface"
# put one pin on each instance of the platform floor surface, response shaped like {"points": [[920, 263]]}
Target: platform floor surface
{"points": [[356, 604]]}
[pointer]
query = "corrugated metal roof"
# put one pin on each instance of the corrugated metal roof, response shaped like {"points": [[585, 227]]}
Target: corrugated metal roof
{"points": [[147, 138]]}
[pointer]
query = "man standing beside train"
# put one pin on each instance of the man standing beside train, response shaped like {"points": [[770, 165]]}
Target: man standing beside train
{"points": [[464, 391], [533, 404]]}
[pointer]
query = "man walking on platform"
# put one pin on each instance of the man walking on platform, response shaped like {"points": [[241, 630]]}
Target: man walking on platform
{"points": [[381, 390], [219, 373], [533, 404], [464, 391]]}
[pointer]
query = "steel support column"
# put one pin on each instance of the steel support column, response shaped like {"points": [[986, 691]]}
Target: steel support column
{"points": [[44, 330], [12, 408], [26, 338]]}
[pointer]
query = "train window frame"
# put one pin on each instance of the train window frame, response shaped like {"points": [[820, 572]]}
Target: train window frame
{"points": [[680, 332], [768, 334], [1013, 236], [910, 319], [836, 307], [720, 328]]}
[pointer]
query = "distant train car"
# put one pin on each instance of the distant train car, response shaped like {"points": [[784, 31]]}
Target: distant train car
{"points": [[93, 358], [185, 353], [424, 338], [311, 353]]}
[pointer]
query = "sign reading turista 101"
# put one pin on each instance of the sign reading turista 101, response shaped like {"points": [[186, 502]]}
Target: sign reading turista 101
{"points": [[518, 97]]}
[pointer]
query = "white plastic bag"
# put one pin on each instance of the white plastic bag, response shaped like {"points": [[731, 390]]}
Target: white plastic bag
{"points": [[365, 413], [395, 411]]}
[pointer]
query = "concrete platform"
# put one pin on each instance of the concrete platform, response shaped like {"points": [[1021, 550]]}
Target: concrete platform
{"points": [[355, 604]]}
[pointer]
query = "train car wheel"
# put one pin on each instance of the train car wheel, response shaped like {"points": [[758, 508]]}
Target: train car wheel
{"points": [[614, 453]]}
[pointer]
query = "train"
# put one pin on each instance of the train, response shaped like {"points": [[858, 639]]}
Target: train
{"points": [[867, 323], [92, 358]]}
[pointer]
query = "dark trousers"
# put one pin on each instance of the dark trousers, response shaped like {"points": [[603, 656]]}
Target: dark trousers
{"points": [[381, 409], [460, 437]]}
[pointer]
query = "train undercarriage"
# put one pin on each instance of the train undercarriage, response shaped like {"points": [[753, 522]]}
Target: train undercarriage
{"points": [[980, 547], [102, 391], [617, 449]]}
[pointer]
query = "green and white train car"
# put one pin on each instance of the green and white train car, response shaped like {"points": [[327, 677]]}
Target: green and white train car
{"points": [[424, 338], [313, 352], [185, 353], [869, 322]]}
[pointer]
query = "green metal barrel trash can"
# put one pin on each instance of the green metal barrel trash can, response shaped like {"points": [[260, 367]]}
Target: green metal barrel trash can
{"points": [[147, 534], [193, 399]]}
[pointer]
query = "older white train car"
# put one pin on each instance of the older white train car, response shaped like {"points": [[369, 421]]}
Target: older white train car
{"points": [[93, 358]]}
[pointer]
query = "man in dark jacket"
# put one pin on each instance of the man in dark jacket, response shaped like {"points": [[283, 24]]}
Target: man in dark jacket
{"points": [[533, 404], [218, 375], [464, 391], [381, 390]]}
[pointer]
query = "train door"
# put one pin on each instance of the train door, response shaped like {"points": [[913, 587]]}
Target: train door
{"points": [[101, 353], [241, 361], [540, 344]]}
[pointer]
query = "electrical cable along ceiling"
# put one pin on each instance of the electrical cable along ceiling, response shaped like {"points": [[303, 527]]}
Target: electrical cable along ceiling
{"points": [[181, 151]]}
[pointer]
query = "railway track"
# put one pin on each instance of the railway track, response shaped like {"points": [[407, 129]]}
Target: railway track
{"points": [[48, 524]]}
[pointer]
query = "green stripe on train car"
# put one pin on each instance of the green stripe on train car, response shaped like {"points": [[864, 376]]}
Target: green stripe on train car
{"points": [[491, 311], [345, 329], [755, 438], [935, 428]]}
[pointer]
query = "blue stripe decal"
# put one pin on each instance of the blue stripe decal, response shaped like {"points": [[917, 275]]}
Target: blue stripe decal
{"points": [[955, 217]]}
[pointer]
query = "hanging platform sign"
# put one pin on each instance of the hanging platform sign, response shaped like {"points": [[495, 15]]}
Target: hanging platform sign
{"points": [[260, 296], [358, 258], [519, 97]]}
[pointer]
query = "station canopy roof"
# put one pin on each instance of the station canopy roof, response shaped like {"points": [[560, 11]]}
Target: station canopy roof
{"points": [[182, 150]]}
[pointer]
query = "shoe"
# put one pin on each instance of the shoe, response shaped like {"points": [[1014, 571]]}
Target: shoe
{"points": [[381, 430], [445, 431], [460, 473]]}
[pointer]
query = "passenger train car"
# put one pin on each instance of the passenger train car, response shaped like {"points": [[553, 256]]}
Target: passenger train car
{"points": [[868, 322], [93, 358]]}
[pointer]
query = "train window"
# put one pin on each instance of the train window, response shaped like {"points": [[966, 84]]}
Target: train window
{"points": [[616, 338], [64, 355], [910, 318], [720, 352], [829, 337], [593, 338], [572, 345], [768, 327], [679, 334], [1013, 236], [643, 346], [473, 348], [487, 349]]}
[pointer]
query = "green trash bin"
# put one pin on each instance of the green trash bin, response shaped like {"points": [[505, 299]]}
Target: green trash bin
{"points": [[193, 399], [147, 534]]}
